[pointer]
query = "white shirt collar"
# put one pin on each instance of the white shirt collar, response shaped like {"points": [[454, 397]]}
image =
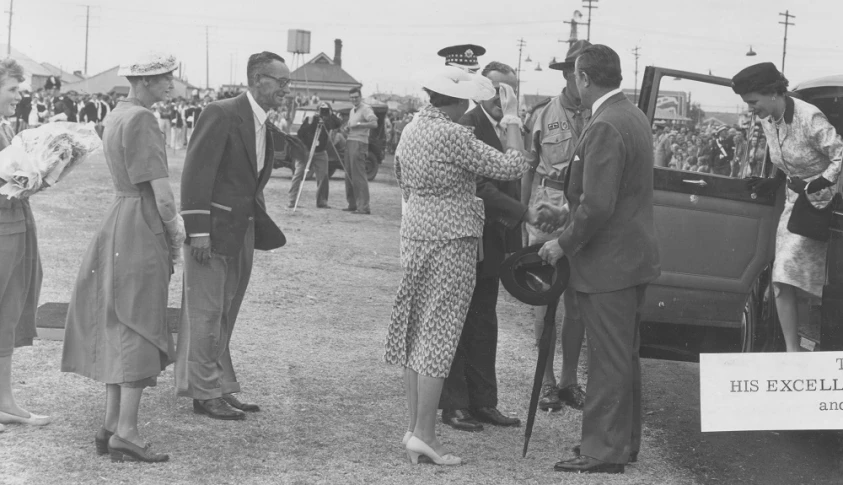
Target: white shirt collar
{"points": [[260, 114], [603, 99], [495, 124]]}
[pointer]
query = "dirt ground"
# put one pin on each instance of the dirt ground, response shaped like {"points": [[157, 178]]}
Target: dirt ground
{"points": [[308, 348]]}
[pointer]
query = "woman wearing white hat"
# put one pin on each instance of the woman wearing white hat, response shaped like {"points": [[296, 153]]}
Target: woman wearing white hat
{"points": [[20, 265], [436, 163], [116, 331]]}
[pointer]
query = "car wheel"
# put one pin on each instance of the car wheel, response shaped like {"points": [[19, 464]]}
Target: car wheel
{"points": [[760, 329]]}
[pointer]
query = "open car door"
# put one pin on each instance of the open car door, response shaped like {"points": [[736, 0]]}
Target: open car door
{"points": [[716, 238]]}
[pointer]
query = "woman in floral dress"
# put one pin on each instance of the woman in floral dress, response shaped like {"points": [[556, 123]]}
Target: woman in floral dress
{"points": [[808, 152], [436, 163]]}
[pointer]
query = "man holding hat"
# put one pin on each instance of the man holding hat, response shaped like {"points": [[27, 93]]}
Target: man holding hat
{"points": [[555, 131], [463, 56], [470, 393]]}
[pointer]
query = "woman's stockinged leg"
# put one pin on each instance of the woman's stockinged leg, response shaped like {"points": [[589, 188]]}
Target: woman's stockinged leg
{"points": [[112, 407], [787, 306], [7, 399], [127, 424], [429, 391], [411, 385]]}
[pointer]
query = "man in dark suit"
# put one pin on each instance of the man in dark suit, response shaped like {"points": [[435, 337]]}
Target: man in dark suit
{"points": [[609, 237], [228, 163], [470, 393]]}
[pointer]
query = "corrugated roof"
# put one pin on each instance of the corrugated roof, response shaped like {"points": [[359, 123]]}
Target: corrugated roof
{"points": [[64, 75], [321, 69], [30, 67]]}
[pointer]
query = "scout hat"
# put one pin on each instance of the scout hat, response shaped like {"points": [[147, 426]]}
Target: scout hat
{"points": [[463, 56], [148, 64], [756, 77], [457, 83], [527, 277], [571, 57]]}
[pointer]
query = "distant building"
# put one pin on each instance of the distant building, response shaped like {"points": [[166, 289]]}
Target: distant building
{"points": [[36, 74], [65, 76], [323, 77], [108, 81]]}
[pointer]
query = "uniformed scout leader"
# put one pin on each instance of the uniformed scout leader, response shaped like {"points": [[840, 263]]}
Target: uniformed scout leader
{"points": [[463, 56], [228, 163], [555, 130]]}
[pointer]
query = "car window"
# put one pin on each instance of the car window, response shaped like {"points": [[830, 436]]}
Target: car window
{"points": [[705, 128]]}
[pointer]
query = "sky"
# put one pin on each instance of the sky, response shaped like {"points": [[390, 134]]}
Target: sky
{"points": [[386, 43]]}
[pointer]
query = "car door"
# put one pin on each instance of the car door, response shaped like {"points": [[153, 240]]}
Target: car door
{"points": [[715, 236]]}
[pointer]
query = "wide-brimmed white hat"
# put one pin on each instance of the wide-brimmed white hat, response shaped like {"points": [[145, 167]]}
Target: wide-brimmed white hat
{"points": [[149, 64], [456, 83]]}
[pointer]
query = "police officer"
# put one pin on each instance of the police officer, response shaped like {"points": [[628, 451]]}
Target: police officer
{"points": [[554, 132], [463, 56]]}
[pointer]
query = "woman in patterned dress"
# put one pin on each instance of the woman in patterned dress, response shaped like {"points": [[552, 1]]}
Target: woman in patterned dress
{"points": [[808, 152], [436, 163], [20, 265], [116, 331]]}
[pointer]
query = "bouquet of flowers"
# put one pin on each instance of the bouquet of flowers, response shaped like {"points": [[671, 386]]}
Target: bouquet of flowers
{"points": [[40, 157]]}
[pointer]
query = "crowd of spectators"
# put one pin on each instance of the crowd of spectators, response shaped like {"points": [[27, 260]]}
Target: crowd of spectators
{"points": [[394, 124], [48, 105], [718, 150]]}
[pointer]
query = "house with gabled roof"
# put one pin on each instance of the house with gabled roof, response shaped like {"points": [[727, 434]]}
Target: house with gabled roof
{"points": [[324, 77], [66, 77]]}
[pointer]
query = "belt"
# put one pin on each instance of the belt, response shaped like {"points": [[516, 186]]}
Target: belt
{"points": [[549, 182]]}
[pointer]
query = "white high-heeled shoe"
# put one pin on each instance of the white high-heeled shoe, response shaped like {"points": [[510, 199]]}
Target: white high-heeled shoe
{"points": [[407, 436], [32, 420], [417, 448]]}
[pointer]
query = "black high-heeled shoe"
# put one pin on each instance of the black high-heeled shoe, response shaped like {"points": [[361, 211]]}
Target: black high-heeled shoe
{"points": [[101, 440]]}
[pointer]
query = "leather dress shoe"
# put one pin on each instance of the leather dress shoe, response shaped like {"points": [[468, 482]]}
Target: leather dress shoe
{"points": [[460, 419], [493, 416], [587, 464], [122, 450], [217, 409], [101, 441], [633, 455], [235, 403], [572, 396], [549, 398]]}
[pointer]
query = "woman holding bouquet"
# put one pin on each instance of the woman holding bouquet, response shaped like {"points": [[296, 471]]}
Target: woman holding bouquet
{"points": [[20, 265], [116, 331]]}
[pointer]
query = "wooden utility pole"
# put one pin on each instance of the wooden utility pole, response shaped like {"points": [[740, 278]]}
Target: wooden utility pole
{"points": [[786, 22], [637, 53], [589, 5], [87, 25], [521, 44], [9, 42], [207, 61]]}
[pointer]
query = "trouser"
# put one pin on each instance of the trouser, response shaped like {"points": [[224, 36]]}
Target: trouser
{"points": [[611, 422], [472, 381], [211, 299], [356, 183], [320, 169]]}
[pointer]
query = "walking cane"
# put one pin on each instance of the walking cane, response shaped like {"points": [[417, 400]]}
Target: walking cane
{"points": [[309, 159], [544, 352]]}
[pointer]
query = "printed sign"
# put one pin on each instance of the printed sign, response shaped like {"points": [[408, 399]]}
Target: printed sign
{"points": [[771, 391]]}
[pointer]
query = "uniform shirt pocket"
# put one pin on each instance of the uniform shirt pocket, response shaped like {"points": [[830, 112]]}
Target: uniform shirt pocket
{"points": [[555, 148]]}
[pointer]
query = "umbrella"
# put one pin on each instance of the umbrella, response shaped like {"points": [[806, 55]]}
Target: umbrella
{"points": [[544, 351]]}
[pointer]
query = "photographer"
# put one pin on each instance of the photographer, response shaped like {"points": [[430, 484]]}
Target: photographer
{"points": [[306, 132]]}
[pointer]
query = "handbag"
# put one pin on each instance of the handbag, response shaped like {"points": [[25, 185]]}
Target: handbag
{"points": [[809, 221]]}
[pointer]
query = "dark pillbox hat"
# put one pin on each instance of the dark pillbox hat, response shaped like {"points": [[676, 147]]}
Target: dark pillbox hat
{"points": [[755, 77]]}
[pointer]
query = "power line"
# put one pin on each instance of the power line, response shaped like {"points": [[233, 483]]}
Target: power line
{"points": [[637, 53], [786, 22], [521, 44], [588, 4], [207, 61], [87, 26]]}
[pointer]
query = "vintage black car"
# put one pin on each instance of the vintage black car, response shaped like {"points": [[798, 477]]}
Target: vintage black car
{"points": [[717, 240]]}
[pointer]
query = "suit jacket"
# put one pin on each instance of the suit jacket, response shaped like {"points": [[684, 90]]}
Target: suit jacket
{"points": [[91, 113], [221, 188], [610, 235], [501, 201]]}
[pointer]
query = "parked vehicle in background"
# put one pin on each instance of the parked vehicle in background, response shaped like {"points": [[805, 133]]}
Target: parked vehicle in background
{"points": [[336, 147]]}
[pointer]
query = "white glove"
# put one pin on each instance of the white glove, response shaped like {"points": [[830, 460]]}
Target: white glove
{"points": [[509, 105]]}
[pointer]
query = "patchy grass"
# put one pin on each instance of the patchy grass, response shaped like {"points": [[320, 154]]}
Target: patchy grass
{"points": [[308, 348]]}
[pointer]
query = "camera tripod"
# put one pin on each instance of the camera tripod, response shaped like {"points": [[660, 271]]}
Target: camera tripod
{"points": [[319, 127]]}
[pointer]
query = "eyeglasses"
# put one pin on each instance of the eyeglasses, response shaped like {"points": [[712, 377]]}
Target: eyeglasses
{"points": [[282, 81]]}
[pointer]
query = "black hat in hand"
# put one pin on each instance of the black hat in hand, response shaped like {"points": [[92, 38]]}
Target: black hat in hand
{"points": [[529, 279]]}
